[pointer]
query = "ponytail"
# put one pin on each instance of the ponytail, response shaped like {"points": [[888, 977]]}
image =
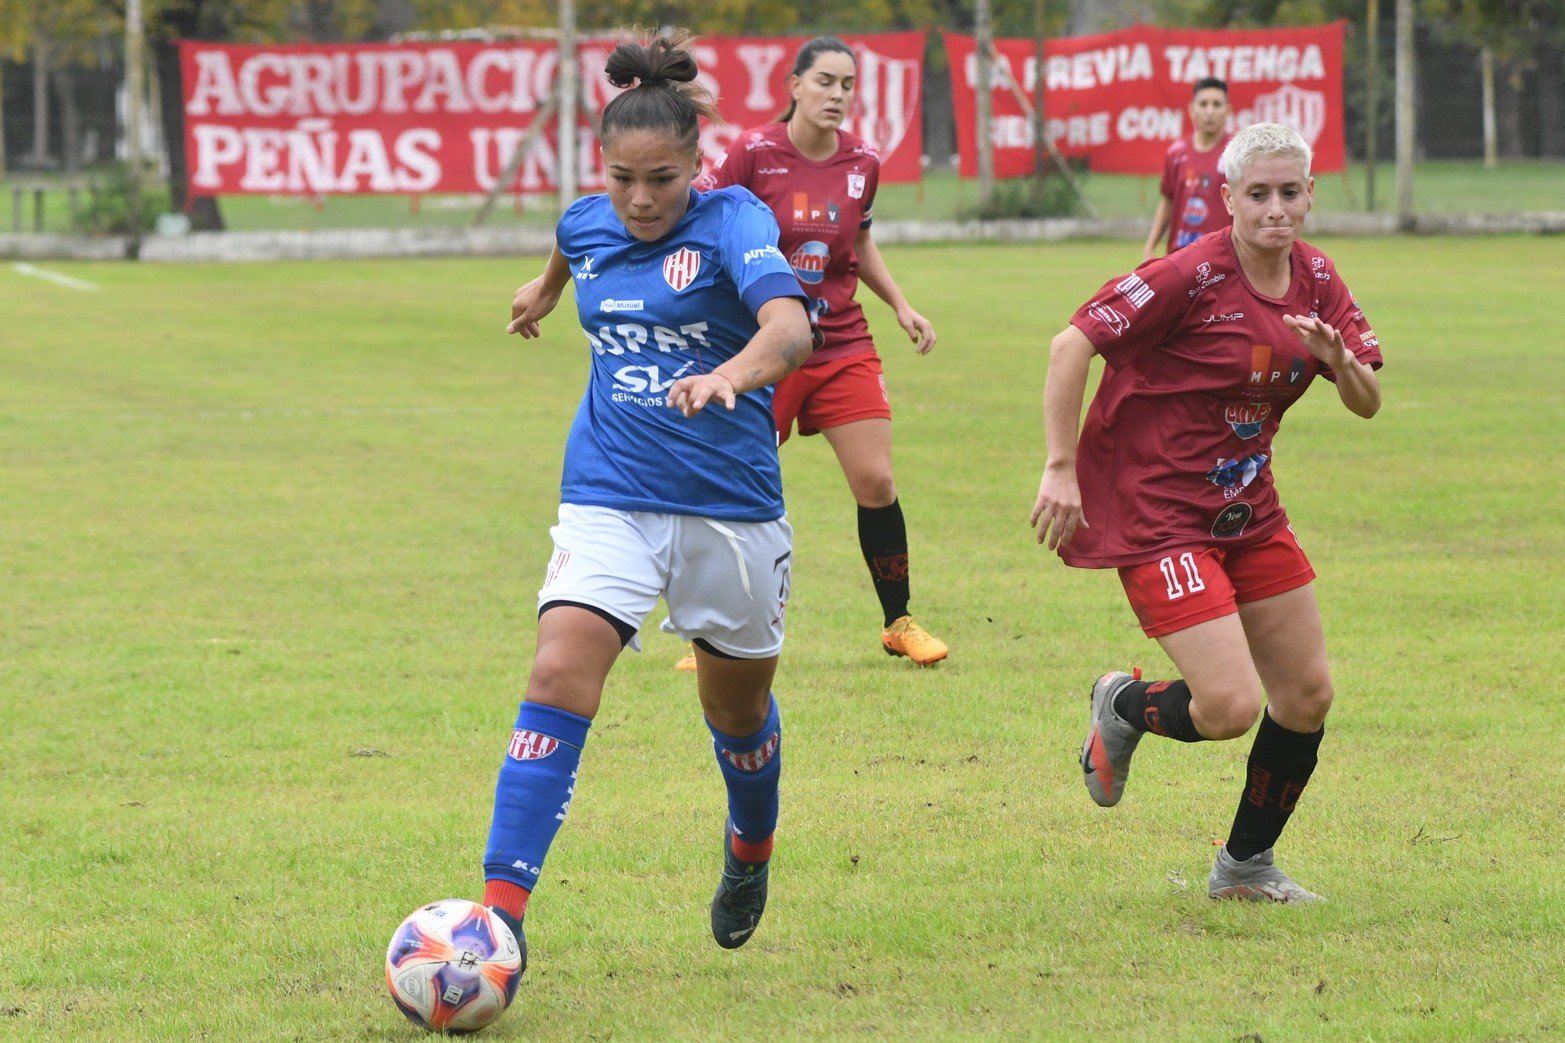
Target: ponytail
{"points": [[662, 93]]}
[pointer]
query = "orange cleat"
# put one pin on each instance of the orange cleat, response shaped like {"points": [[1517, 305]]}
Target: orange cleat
{"points": [[906, 638], [687, 661]]}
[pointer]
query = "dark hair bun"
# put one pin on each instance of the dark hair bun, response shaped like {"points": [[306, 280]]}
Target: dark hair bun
{"points": [[654, 64]]}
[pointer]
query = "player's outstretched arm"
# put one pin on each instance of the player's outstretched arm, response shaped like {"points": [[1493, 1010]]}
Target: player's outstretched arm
{"points": [[537, 298], [777, 349], [1057, 511], [874, 274], [1160, 220], [1357, 384]]}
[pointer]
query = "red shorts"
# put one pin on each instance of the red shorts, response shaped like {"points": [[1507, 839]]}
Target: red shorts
{"points": [[1184, 588], [831, 394]]}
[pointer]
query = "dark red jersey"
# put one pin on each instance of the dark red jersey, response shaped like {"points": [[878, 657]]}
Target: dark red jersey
{"points": [[1176, 449], [821, 207], [1192, 183]]}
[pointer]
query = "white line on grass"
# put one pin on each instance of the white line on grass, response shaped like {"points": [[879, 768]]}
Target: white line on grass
{"points": [[23, 268]]}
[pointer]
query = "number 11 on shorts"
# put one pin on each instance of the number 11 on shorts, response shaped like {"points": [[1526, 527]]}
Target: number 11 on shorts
{"points": [[1193, 580]]}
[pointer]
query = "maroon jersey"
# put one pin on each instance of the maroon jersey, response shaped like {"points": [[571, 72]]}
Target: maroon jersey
{"points": [[821, 206], [1176, 449], [1192, 183]]}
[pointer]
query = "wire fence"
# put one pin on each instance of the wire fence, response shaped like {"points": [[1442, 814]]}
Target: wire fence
{"points": [[1511, 114]]}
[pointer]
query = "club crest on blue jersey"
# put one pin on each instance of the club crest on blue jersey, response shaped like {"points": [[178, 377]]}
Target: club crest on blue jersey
{"points": [[681, 267]]}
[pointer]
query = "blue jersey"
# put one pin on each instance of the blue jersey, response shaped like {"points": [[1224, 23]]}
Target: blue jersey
{"points": [[655, 312]]}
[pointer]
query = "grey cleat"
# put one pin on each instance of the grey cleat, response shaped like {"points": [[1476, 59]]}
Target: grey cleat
{"points": [[1255, 879], [1105, 756], [740, 899]]}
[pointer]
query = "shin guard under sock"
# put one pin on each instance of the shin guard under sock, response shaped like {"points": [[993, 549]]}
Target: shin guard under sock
{"points": [[751, 766], [883, 539], [1281, 763], [537, 779]]}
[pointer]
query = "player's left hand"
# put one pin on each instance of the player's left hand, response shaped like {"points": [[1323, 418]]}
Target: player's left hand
{"points": [[1319, 338], [919, 329], [690, 395]]}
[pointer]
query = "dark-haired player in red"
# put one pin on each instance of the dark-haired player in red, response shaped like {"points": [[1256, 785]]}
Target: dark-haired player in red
{"points": [[1171, 484], [1192, 203], [820, 181]]}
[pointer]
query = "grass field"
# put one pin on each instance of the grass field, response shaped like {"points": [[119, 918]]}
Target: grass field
{"points": [[1441, 187], [272, 537]]}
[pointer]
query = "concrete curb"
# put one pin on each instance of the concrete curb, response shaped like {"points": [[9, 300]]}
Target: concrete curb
{"points": [[508, 242], [32, 246]]}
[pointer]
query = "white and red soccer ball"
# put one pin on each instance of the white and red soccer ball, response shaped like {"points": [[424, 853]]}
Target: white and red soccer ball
{"points": [[453, 966]]}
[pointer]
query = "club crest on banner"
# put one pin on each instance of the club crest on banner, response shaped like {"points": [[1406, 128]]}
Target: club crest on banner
{"points": [[1304, 111], [680, 268], [886, 96]]}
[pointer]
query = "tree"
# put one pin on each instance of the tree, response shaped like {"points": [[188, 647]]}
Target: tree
{"points": [[1509, 34], [57, 34], [13, 43], [172, 20]]}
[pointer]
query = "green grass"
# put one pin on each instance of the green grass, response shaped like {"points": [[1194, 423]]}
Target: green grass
{"points": [[272, 538], [1441, 187]]}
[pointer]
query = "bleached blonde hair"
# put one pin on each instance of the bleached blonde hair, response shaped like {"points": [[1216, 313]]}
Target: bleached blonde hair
{"points": [[1263, 139]]}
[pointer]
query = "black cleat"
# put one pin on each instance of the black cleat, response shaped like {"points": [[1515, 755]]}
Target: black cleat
{"points": [[740, 899], [516, 929]]}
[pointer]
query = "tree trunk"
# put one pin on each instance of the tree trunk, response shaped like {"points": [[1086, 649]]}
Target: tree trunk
{"points": [[39, 157], [1551, 100], [1486, 68], [2, 118], [205, 216], [392, 17], [1509, 110], [1407, 140], [70, 119]]}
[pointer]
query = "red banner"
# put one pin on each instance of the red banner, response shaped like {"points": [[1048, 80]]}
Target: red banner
{"points": [[1120, 99], [446, 117]]}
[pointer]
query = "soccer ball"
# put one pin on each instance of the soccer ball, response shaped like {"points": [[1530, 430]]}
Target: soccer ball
{"points": [[453, 966]]}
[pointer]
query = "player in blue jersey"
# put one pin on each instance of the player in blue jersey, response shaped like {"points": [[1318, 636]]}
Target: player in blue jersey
{"points": [[671, 484]]}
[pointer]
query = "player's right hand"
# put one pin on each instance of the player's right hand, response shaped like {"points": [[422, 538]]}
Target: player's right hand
{"points": [[531, 303], [1057, 511], [692, 394]]}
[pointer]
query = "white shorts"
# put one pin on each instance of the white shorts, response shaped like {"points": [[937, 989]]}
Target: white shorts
{"points": [[725, 582]]}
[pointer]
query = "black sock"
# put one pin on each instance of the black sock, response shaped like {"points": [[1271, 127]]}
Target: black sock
{"points": [[883, 539], [1159, 707], [1281, 763]]}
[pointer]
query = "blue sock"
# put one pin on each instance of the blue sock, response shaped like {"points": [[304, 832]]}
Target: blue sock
{"points": [[751, 766], [533, 794]]}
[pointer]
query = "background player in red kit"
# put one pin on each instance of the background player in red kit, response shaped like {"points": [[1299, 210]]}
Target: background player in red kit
{"points": [[1192, 203], [1171, 484], [820, 181]]}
